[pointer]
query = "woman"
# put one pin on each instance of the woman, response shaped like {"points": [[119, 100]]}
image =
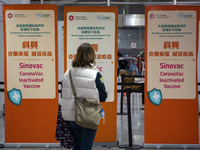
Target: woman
{"points": [[88, 83]]}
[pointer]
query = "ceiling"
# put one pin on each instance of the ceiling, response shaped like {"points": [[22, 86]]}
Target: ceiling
{"points": [[119, 2], [124, 6]]}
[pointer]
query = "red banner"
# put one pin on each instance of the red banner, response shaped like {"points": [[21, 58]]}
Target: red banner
{"points": [[171, 88], [31, 76]]}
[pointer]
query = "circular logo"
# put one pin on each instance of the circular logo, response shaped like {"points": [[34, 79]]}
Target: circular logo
{"points": [[10, 15], [71, 17], [152, 16]]}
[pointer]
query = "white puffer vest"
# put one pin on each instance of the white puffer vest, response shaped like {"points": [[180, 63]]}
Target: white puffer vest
{"points": [[85, 86]]}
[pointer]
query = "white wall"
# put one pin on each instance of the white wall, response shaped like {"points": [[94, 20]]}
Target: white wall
{"points": [[198, 67], [60, 52], [1, 64]]}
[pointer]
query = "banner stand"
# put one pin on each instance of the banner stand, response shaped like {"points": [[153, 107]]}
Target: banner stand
{"points": [[171, 101], [175, 146], [97, 26], [31, 96]]}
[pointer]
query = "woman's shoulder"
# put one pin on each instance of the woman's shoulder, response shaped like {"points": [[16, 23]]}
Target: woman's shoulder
{"points": [[87, 69], [89, 72], [93, 67]]}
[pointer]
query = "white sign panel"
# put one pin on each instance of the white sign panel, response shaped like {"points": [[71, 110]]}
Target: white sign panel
{"points": [[98, 29]]}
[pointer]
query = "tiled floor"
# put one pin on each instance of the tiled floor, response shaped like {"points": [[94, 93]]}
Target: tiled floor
{"points": [[122, 129]]}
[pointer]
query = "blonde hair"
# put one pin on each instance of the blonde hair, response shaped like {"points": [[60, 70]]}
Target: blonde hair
{"points": [[85, 56]]}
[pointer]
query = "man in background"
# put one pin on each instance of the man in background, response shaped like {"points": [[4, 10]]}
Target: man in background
{"points": [[122, 63]]}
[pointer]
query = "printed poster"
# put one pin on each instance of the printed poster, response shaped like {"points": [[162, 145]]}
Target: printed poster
{"points": [[172, 53], [98, 29], [31, 62]]}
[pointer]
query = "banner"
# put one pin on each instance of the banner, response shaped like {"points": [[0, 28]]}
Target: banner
{"points": [[97, 26], [171, 91], [31, 76]]}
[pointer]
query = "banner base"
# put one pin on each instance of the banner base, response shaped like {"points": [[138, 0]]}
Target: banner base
{"points": [[178, 146], [107, 144], [31, 145], [52, 145], [1, 145]]}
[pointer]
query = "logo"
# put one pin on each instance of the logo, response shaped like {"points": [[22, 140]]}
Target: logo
{"points": [[10, 15], [41, 15], [102, 17], [15, 96], [152, 16], [155, 96], [71, 18], [182, 15]]}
